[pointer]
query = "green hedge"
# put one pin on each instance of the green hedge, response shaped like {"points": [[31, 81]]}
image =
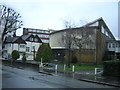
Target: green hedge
{"points": [[111, 68]]}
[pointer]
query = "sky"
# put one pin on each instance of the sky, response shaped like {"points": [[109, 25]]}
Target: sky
{"points": [[51, 14]]}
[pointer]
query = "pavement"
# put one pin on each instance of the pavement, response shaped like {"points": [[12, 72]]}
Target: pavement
{"points": [[86, 76], [82, 75]]}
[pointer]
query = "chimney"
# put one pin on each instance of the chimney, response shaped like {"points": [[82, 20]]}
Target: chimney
{"points": [[14, 35]]}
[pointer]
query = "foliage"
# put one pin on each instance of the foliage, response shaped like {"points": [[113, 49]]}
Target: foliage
{"points": [[9, 20], [24, 58], [15, 55], [45, 53]]}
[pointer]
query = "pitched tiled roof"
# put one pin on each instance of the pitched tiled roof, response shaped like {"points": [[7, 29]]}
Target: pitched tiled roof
{"points": [[27, 36], [16, 39]]}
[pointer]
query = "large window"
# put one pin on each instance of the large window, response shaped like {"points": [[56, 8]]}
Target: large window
{"points": [[116, 45], [22, 46], [109, 45], [46, 41], [9, 45], [113, 45], [33, 47], [34, 30], [36, 39], [30, 30]]}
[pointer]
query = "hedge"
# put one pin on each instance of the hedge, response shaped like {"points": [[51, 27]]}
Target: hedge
{"points": [[111, 68]]}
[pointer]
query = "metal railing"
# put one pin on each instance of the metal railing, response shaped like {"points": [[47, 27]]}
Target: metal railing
{"points": [[98, 71]]}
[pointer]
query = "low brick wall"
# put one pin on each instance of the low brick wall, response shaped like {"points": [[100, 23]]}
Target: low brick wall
{"points": [[85, 56]]}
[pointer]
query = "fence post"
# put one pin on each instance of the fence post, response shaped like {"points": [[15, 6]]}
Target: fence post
{"points": [[56, 67]]}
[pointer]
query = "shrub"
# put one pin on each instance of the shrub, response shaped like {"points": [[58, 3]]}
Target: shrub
{"points": [[111, 68], [15, 55]]}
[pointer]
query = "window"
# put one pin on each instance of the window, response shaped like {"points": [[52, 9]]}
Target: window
{"points": [[30, 30], [109, 45], [40, 35], [27, 49], [103, 30], [34, 30], [116, 44], [113, 45], [36, 39], [38, 31], [46, 41], [43, 36], [9, 45], [22, 46], [42, 31], [33, 47], [34, 34]]}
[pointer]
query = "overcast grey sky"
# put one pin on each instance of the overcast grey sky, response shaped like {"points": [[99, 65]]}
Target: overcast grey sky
{"points": [[44, 14]]}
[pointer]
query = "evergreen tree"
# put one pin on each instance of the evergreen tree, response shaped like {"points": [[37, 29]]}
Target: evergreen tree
{"points": [[45, 53]]}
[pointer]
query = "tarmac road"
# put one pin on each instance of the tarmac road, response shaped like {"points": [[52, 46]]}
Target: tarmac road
{"points": [[18, 78]]}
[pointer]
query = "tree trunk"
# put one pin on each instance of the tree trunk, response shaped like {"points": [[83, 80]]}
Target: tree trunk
{"points": [[69, 58]]}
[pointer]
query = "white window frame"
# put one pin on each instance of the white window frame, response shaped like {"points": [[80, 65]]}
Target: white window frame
{"points": [[22, 46], [27, 49]]}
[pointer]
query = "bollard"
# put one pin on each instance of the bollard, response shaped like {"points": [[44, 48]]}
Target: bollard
{"points": [[41, 66], [73, 68], [64, 67], [56, 67], [95, 71]]}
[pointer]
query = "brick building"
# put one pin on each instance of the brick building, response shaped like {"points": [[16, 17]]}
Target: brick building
{"points": [[96, 32]]}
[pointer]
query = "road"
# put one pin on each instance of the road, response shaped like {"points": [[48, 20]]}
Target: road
{"points": [[18, 78]]}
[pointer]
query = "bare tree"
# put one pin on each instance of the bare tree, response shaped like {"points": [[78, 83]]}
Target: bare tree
{"points": [[67, 40], [9, 20], [77, 38], [84, 39], [68, 43]]}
